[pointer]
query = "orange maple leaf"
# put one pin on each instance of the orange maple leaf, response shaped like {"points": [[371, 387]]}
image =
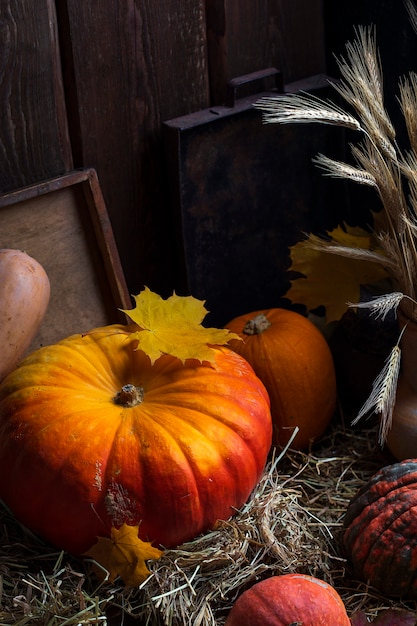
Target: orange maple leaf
{"points": [[124, 555]]}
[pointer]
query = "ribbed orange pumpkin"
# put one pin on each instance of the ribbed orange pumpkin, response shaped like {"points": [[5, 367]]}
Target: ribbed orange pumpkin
{"points": [[293, 360], [92, 435], [289, 600]]}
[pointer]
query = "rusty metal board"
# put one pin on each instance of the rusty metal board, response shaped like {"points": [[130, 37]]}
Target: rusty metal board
{"points": [[242, 193]]}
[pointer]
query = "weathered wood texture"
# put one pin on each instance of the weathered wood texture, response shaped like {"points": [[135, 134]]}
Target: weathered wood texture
{"points": [[134, 64], [34, 141], [245, 36], [127, 67]]}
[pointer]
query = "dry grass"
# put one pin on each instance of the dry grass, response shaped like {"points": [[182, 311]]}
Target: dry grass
{"points": [[292, 523]]}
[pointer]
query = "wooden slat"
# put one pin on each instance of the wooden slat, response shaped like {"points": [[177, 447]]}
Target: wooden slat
{"points": [[34, 142], [129, 66], [250, 35]]}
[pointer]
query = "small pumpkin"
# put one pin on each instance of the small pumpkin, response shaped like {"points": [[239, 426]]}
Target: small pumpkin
{"points": [[92, 435], [289, 599], [380, 530], [24, 299], [293, 360]]}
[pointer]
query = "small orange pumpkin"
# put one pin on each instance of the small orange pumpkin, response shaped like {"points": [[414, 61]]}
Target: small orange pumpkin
{"points": [[293, 360], [287, 600], [92, 435]]}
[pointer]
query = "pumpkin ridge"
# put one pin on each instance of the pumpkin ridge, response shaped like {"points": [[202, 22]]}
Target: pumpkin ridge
{"points": [[53, 423], [393, 520], [389, 562], [145, 493], [196, 427], [227, 471], [62, 363], [362, 511], [379, 483], [381, 537], [357, 541]]}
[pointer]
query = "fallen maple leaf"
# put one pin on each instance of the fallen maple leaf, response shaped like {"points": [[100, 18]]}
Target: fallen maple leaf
{"points": [[173, 326], [332, 280], [124, 555]]}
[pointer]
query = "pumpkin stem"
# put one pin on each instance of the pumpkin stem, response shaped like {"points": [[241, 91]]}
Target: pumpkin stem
{"points": [[257, 325], [129, 395]]}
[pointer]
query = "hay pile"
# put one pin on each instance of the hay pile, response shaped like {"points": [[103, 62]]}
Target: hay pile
{"points": [[292, 523]]}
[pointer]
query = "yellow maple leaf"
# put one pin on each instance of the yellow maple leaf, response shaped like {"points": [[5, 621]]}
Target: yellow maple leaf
{"points": [[124, 555], [333, 280], [173, 326]]}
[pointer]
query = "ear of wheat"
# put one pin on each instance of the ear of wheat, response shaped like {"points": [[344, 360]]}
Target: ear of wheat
{"points": [[378, 163]]}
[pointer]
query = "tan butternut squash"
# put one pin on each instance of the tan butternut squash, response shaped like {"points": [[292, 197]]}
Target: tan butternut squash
{"points": [[24, 298]]}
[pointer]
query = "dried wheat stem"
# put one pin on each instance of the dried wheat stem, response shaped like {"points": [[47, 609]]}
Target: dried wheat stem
{"points": [[401, 262], [382, 398], [387, 392], [338, 169], [380, 306], [362, 88], [388, 179], [304, 108], [408, 103], [360, 254], [412, 12], [364, 60]]}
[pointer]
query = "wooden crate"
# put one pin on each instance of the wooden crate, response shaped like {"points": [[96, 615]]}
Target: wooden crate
{"points": [[63, 223]]}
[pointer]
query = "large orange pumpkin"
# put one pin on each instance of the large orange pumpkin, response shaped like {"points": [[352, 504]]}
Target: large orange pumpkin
{"points": [[92, 435], [293, 360]]}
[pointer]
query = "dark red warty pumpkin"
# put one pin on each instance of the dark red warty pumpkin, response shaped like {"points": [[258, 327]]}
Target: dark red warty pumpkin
{"points": [[380, 530]]}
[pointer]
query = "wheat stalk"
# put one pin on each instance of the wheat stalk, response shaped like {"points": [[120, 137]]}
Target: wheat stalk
{"points": [[382, 397], [412, 13], [360, 254], [362, 88], [304, 108], [339, 169], [381, 306], [388, 181], [408, 103]]}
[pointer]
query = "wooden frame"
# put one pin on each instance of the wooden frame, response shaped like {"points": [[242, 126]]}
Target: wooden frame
{"points": [[63, 224]]}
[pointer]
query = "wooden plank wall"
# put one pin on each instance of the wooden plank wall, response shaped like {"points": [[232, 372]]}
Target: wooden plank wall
{"points": [[128, 66], [245, 36], [34, 141]]}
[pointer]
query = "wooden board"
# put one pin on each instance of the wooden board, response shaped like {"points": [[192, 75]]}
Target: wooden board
{"points": [[245, 36], [34, 142], [242, 193], [63, 224], [129, 65]]}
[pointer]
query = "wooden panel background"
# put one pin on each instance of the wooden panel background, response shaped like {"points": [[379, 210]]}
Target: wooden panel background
{"points": [[34, 141], [126, 67], [246, 36]]}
